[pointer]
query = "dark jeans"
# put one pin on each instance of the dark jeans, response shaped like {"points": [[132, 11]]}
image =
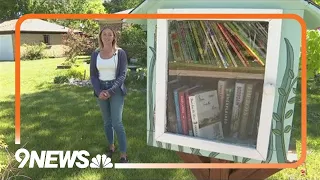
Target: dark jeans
{"points": [[111, 110]]}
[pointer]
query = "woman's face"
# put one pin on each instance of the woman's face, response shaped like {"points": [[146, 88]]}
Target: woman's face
{"points": [[107, 37]]}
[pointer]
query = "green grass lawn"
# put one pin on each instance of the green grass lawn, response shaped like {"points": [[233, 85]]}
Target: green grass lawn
{"points": [[60, 117]]}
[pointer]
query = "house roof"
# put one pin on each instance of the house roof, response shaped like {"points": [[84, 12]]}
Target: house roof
{"points": [[34, 25], [311, 15], [115, 20], [127, 11]]}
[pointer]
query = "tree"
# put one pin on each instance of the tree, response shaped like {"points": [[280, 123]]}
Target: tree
{"points": [[313, 53], [15, 8], [90, 27], [113, 6], [10, 9]]}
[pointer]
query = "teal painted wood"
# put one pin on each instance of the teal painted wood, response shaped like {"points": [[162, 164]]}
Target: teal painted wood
{"points": [[311, 17], [284, 101], [288, 81]]}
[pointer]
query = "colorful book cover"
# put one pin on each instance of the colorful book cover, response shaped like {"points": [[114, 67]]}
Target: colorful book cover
{"points": [[205, 115], [189, 119]]}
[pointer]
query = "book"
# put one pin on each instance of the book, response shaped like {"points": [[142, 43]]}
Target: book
{"points": [[221, 44], [227, 110], [187, 94], [236, 109], [177, 107], [247, 106], [171, 110], [205, 113]]}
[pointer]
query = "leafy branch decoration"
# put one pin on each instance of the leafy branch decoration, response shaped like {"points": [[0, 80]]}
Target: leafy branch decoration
{"points": [[281, 115]]}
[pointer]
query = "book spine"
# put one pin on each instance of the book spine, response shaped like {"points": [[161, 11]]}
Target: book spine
{"points": [[246, 110], [176, 100], [254, 113], [234, 46], [221, 93], [176, 48], [210, 44], [172, 118], [183, 113], [236, 110], [182, 43], [190, 43], [227, 111], [217, 38], [189, 119], [195, 35], [257, 118], [194, 116]]}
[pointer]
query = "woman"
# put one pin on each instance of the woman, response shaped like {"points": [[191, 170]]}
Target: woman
{"points": [[108, 67]]}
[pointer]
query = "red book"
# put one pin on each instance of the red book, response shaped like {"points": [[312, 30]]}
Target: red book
{"points": [[183, 113]]}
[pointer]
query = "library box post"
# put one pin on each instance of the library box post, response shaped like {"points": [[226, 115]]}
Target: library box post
{"points": [[224, 88]]}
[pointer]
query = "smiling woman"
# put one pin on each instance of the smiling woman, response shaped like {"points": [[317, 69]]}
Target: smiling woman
{"points": [[108, 68]]}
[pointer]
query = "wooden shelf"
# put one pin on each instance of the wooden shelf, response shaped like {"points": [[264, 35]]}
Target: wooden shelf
{"points": [[206, 70], [209, 67], [216, 74]]}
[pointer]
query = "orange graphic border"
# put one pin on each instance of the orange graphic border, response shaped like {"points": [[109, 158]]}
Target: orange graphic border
{"points": [[180, 16]]}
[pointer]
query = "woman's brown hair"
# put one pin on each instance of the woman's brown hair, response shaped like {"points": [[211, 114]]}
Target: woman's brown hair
{"points": [[114, 42]]}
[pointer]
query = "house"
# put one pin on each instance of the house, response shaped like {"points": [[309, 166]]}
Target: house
{"points": [[33, 31], [176, 50]]}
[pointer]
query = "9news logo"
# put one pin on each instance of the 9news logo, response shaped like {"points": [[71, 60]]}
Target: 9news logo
{"points": [[61, 159]]}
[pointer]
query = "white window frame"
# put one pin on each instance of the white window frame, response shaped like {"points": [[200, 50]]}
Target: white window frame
{"points": [[269, 88]]}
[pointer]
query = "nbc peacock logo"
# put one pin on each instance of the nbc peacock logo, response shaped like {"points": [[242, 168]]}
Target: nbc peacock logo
{"points": [[101, 161]]}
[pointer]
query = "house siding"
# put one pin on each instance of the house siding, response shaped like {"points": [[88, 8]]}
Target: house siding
{"points": [[54, 49], [54, 39]]}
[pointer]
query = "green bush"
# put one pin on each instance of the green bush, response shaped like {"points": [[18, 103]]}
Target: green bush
{"points": [[34, 51], [137, 79], [133, 40], [78, 44], [313, 53], [60, 79], [78, 72]]}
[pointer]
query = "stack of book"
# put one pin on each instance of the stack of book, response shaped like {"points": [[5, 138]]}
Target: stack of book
{"points": [[228, 113], [223, 44]]}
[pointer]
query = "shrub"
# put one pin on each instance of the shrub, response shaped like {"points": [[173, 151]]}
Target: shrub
{"points": [[133, 40], [137, 79], [78, 44], [60, 79], [78, 72], [313, 51], [34, 51]]}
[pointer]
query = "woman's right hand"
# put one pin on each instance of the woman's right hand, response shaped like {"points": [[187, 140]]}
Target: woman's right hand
{"points": [[103, 95]]}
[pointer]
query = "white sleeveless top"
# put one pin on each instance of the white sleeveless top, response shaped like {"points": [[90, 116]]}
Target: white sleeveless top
{"points": [[107, 67]]}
